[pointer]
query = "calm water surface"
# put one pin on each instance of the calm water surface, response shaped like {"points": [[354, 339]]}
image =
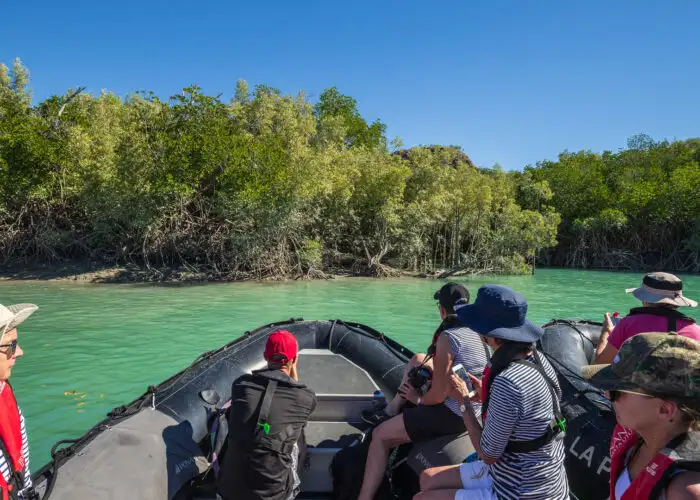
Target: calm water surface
{"points": [[90, 348]]}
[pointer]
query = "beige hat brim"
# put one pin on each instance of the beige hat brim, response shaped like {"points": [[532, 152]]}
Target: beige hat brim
{"points": [[588, 372], [19, 312], [603, 377], [648, 296]]}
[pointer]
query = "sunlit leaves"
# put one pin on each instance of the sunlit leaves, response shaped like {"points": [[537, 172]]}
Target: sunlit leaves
{"points": [[266, 184]]}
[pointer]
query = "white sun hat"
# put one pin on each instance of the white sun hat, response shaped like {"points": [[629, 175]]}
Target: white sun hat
{"points": [[11, 316]]}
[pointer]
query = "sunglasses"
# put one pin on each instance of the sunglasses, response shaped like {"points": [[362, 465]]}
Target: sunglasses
{"points": [[615, 395], [12, 348]]}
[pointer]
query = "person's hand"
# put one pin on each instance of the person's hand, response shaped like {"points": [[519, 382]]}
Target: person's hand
{"points": [[607, 325], [478, 388], [459, 389], [453, 391], [407, 392]]}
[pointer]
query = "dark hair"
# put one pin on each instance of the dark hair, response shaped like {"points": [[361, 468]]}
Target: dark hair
{"points": [[450, 295], [450, 321], [500, 360]]}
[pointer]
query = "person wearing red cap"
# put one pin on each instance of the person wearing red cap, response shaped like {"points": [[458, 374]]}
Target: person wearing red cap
{"points": [[268, 414]]}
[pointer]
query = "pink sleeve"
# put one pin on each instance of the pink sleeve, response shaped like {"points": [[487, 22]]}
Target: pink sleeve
{"points": [[618, 335]]}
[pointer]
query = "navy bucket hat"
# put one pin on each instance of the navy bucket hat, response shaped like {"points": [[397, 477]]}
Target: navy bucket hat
{"points": [[499, 312]]}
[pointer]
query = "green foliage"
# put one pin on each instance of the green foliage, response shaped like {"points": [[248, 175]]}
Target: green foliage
{"points": [[266, 185], [633, 209], [311, 254], [334, 107]]}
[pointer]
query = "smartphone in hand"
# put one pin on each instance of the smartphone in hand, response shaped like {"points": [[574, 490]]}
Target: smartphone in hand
{"points": [[461, 372]]}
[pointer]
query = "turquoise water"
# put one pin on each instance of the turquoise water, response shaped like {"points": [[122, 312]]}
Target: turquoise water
{"points": [[90, 348]]}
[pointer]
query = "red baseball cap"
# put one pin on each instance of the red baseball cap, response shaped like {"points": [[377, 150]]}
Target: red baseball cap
{"points": [[281, 346]]}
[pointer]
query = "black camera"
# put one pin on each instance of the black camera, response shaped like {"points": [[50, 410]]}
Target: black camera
{"points": [[419, 378]]}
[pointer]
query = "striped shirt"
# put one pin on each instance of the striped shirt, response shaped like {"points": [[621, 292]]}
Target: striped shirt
{"points": [[469, 351], [5, 468], [520, 409]]}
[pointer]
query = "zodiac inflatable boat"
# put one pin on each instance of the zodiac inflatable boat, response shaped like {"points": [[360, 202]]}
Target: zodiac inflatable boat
{"points": [[153, 447]]}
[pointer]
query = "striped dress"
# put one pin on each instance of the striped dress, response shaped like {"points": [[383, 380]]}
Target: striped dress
{"points": [[469, 351], [4, 467], [520, 409]]}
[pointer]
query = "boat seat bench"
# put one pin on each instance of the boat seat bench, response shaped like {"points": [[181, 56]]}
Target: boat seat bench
{"points": [[343, 390]]}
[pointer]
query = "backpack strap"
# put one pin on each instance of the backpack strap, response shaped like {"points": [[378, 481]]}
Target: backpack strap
{"points": [[16, 482], [556, 426], [218, 436], [672, 316], [672, 326], [264, 414], [277, 442], [487, 351]]}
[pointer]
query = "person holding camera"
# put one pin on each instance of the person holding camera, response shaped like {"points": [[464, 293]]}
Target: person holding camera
{"points": [[422, 410], [519, 436]]}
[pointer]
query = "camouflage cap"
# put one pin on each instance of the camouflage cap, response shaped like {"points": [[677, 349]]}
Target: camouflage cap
{"points": [[664, 365]]}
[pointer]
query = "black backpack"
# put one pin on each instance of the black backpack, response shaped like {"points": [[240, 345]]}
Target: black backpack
{"points": [[348, 470]]}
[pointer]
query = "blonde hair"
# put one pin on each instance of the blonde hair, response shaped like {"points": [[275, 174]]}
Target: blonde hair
{"points": [[691, 416]]}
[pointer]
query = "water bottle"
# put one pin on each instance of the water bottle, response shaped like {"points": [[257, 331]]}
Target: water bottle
{"points": [[615, 318], [378, 400], [474, 457]]}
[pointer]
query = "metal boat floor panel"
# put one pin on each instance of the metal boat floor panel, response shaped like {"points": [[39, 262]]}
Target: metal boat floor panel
{"points": [[332, 434], [328, 373]]}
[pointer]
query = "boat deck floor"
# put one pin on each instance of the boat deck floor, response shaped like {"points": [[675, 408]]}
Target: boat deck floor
{"points": [[328, 373], [343, 390]]}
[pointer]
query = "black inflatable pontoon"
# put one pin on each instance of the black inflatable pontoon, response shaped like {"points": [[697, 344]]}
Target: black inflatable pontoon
{"points": [[150, 449], [590, 421], [153, 447]]}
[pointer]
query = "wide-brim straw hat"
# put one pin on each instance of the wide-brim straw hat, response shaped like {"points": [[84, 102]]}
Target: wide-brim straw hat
{"points": [[662, 288]]}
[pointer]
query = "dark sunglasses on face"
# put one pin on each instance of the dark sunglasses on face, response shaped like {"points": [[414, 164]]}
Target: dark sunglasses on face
{"points": [[12, 348], [615, 395]]}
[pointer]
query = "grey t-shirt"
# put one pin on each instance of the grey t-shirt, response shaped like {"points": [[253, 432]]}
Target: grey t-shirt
{"points": [[469, 351]]}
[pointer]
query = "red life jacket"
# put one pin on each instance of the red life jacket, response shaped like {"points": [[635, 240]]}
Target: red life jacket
{"points": [[11, 437], [485, 390], [682, 453]]}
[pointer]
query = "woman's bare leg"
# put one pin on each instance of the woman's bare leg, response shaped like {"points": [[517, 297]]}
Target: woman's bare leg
{"points": [[388, 435], [441, 478], [436, 495]]}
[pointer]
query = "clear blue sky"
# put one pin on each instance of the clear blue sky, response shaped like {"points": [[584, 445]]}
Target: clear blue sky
{"points": [[512, 82]]}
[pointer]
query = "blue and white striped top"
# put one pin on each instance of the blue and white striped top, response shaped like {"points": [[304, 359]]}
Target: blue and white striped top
{"points": [[520, 409], [469, 351], [5, 468]]}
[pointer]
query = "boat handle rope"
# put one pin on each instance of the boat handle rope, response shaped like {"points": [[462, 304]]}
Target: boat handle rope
{"points": [[576, 376], [381, 337]]}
